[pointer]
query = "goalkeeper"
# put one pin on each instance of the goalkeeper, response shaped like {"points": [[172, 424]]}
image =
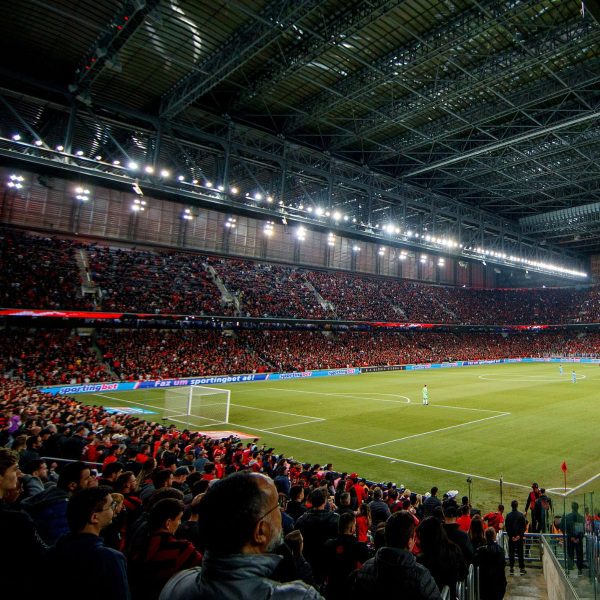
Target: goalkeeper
{"points": [[425, 395]]}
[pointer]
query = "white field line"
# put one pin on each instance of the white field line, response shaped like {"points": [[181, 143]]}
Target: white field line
{"points": [[293, 424], [374, 455], [146, 404], [408, 401], [416, 435], [279, 412], [356, 397], [532, 378]]}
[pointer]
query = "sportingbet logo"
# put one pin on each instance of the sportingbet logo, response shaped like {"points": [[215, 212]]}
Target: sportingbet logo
{"points": [[93, 387]]}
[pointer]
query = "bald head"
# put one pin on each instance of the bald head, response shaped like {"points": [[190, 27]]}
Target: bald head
{"points": [[240, 514]]}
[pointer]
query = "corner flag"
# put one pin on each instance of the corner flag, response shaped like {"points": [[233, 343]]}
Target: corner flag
{"points": [[564, 466]]}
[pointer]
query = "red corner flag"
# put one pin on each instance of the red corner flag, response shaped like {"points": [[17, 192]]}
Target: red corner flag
{"points": [[564, 466]]}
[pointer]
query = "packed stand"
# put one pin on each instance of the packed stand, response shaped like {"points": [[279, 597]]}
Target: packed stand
{"points": [[50, 357], [353, 297], [158, 282], [268, 290], [39, 272], [155, 354]]}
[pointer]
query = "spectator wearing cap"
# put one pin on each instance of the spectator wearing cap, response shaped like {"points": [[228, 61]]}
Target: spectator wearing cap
{"points": [[239, 539], [317, 525], [450, 499], [394, 568], [454, 533]]}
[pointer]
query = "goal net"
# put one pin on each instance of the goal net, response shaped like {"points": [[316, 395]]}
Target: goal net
{"points": [[197, 405]]}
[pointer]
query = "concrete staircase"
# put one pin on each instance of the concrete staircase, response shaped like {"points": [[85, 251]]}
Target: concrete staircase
{"points": [[88, 287], [226, 295]]}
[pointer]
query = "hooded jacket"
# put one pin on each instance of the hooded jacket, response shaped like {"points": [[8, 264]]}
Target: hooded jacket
{"points": [[235, 577], [48, 509]]}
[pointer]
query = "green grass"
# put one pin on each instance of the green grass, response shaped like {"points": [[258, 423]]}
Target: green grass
{"points": [[518, 421]]}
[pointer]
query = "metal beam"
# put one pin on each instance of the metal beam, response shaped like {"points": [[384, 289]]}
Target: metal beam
{"points": [[245, 43], [115, 35]]}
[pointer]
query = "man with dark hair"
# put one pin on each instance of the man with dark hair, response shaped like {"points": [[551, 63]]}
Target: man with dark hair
{"points": [[35, 478], [317, 525], [48, 509], [161, 478], [532, 497], [240, 523], [454, 533], [295, 507], [81, 558], [542, 509], [431, 503], [343, 554], [573, 525], [515, 526], [394, 567], [74, 445], [490, 560], [110, 472], [380, 511], [344, 506]]}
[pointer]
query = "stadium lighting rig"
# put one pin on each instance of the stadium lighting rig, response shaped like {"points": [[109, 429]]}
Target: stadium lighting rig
{"points": [[15, 181], [386, 232], [82, 194]]}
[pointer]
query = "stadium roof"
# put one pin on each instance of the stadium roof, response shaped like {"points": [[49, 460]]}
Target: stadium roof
{"points": [[461, 106]]}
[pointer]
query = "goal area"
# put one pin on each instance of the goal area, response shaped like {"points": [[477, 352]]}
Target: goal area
{"points": [[197, 405]]}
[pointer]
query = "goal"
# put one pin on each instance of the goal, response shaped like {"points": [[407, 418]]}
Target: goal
{"points": [[197, 405]]}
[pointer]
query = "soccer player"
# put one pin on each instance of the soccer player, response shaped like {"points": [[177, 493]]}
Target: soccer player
{"points": [[425, 395], [573, 377], [560, 369]]}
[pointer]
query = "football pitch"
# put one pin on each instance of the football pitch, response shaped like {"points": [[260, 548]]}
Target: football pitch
{"points": [[518, 422]]}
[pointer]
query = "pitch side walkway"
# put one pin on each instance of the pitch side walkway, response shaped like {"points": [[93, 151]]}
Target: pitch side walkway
{"points": [[531, 585]]}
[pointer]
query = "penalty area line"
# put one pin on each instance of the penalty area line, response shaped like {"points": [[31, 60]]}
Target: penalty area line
{"points": [[416, 435]]}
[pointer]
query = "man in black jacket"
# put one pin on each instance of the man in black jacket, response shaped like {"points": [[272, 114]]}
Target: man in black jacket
{"points": [[317, 525], [343, 555], [490, 560], [394, 567], [81, 558], [515, 526], [456, 535], [431, 503]]}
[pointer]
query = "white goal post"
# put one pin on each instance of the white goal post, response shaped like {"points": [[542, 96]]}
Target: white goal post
{"points": [[206, 405]]}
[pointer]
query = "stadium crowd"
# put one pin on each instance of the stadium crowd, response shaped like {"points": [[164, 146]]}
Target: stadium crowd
{"points": [[48, 356], [166, 508], [39, 272], [168, 282], [42, 272]]}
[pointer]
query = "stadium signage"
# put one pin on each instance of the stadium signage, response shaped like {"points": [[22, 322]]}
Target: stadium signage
{"points": [[86, 388]]}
